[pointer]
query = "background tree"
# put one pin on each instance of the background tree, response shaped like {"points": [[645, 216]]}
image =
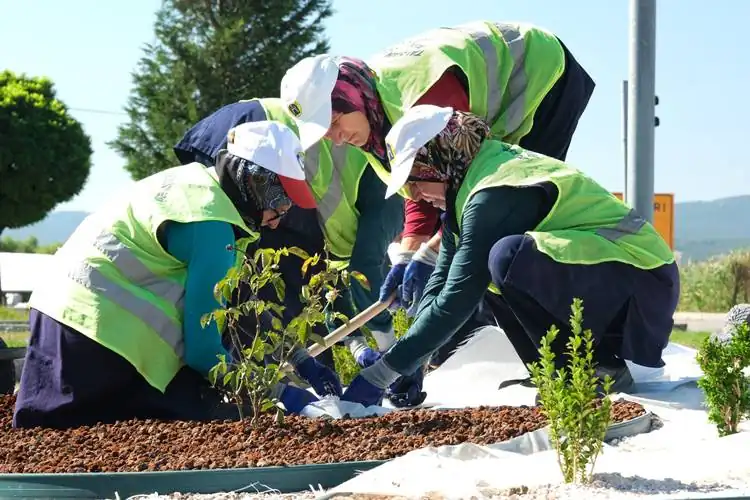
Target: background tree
{"points": [[29, 245], [211, 53], [45, 156]]}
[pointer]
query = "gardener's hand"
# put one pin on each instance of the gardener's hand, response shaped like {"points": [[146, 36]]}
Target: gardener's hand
{"points": [[416, 275], [321, 378], [395, 278], [295, 399], [363, 392], [407, 390], [367, 357]]}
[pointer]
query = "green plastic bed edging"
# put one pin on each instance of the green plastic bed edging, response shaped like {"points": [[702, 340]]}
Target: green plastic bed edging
{"points": [[126, 484]]}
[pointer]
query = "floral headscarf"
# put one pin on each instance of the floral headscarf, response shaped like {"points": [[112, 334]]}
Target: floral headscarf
{"points": [[355, 91], [447, 157]]}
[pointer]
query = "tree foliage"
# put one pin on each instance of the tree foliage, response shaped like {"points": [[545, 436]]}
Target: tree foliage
{"points": [[210, 53], [45, 156], [724, 360], [29, 245]]}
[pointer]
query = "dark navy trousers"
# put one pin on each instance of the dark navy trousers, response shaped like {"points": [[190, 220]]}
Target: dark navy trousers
{"points": [[629, 310]]}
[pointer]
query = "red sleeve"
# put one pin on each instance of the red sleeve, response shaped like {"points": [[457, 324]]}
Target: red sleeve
{"points": [[422, 219]]}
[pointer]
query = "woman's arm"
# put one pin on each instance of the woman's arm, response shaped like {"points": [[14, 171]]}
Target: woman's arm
{"points": [[449, 301], [206, 249]]}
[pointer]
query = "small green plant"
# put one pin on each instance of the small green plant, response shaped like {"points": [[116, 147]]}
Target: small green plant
{"points": [[401, 322], [723, 361], [248, 380], [578, 418]]}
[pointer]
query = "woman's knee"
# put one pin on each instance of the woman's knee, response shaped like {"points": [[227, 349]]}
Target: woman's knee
{"points": [[501, 256]]}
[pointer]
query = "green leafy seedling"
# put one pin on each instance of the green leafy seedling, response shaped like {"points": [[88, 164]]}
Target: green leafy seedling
{"points": [[249, 380], [569, 398], [723, 361]]}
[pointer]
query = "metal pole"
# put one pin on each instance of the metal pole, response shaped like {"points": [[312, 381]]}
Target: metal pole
{"points": [[625, 135], [641, 92]]}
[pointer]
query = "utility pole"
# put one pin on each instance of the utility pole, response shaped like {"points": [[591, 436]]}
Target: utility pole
{"points": [[641, 121], [626, 196]]}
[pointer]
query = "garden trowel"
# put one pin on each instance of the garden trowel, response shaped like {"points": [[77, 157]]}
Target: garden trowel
{"points": [[346, 329]]}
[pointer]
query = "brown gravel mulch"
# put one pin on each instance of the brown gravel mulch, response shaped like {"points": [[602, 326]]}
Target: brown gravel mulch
{"points": [[150, 445]]}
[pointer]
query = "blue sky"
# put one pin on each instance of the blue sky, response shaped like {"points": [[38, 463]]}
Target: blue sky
{"points": [[90, 47]]}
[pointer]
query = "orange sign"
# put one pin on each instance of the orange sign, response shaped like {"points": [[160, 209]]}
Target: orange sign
{"points": [[663, 215]]}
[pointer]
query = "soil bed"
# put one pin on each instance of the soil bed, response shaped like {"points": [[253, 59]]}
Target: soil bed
{"points": [[150, 445]]}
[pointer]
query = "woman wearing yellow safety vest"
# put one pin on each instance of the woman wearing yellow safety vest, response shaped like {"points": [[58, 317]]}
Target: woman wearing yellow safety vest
{"points": [[352, 216], [520, 78], [116, 328], [530, 234]]}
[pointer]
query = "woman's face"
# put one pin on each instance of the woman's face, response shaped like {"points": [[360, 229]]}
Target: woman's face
{"points": [[271, 217], [349, 128], [430, 191]]}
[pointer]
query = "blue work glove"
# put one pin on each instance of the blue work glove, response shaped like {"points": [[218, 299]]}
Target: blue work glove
{"points": [[363, 392], [321, 378], [407, 390], [394, 279], [367, 357], [295, 399], [415, 279]]}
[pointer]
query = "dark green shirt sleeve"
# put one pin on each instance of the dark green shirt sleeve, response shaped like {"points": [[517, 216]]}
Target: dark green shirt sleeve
{"points": [[461, 276]]}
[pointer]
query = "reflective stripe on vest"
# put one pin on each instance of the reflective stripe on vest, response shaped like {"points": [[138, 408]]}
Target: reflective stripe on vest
{"points": [[132, 269], [481, 34], [630, 224], [330, 201]]}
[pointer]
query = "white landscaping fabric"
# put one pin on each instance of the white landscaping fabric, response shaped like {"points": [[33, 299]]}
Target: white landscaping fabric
{"points": [[684, 455]]}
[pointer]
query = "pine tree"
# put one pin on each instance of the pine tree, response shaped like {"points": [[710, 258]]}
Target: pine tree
{"points": [[210, 53]]}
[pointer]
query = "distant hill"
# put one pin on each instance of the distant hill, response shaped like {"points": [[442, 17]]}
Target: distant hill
{"points": [[702, 228], [706, 228], [55, 228]]}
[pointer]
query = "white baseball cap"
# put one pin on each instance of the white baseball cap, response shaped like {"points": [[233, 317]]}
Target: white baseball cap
{"points": [[418, 126], [306, 92], [275, 147]]}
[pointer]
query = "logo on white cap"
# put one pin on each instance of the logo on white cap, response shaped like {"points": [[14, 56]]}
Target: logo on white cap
{"points": [[295, 109], [418, 126]]}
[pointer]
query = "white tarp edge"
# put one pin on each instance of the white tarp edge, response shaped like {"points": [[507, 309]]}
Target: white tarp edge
{"points": [[683, 455]]}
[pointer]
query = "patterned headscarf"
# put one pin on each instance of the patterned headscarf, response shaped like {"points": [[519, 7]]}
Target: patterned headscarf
{"points": [[447, 156], [251, 187], [355, 91], [261, 185]]}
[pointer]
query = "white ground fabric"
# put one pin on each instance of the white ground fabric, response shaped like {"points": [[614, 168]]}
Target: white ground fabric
{"points": [[681, 458]]}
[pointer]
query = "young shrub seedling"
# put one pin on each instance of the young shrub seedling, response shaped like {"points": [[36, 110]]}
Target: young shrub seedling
{"points": [[578, 419], [401, 322], [249, 379], [727, 389]]}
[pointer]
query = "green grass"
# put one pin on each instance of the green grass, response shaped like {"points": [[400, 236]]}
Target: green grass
{"points": [[10, 314], [689, 339], [15, 339], [716, 284]]}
